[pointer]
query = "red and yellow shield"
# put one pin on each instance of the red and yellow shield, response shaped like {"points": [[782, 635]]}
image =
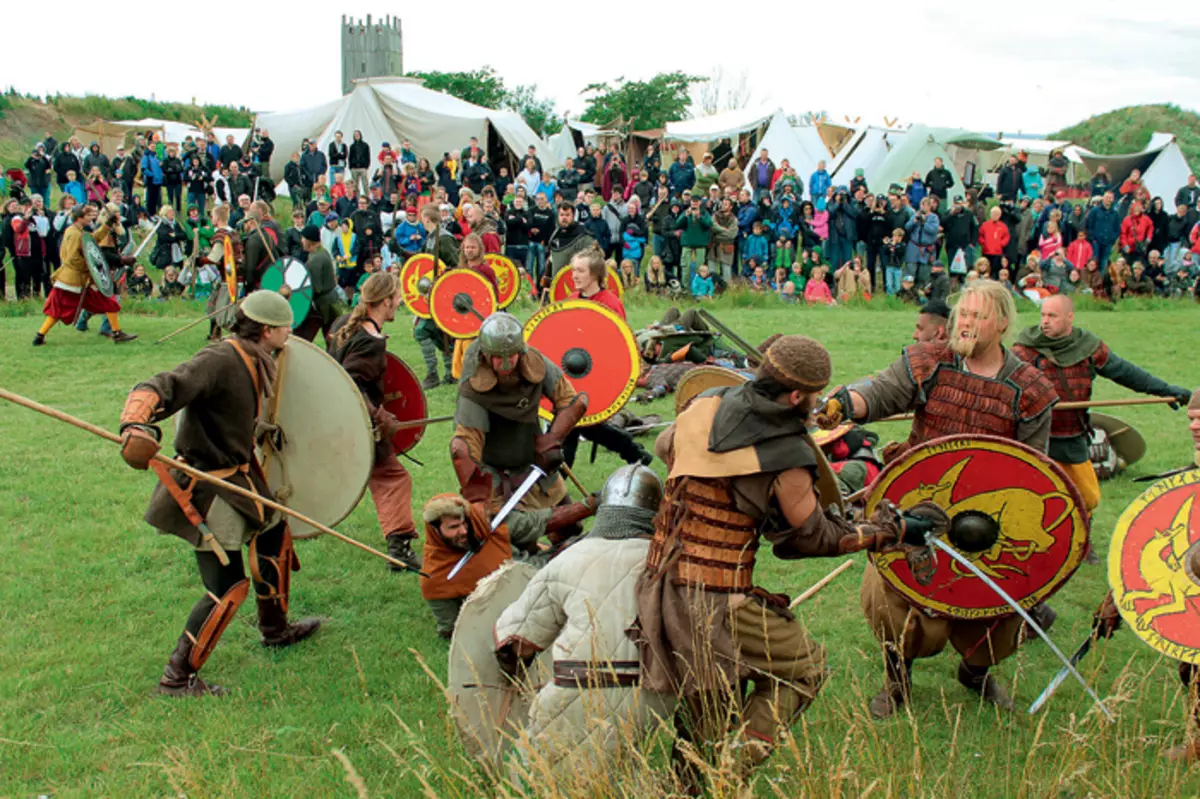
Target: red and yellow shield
{"points": [[461, 299], [404, 399], [1043, 523], [595, 350], [1154, 584], [563, 285], [421, 265], [508, 279]]}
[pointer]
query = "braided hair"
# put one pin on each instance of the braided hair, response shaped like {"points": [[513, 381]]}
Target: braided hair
{"points": [[379, 287]]}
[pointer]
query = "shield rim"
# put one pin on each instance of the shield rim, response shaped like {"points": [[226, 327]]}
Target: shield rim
{"points": [[1151, 638], [409, 299], [420, 429], [494, 258], [591, 417], [612, 282], [101, 279], [682, 397], [433, 311], [823, 438], [362, 405], [305, 289], [1001, 608], [1130, 448]]}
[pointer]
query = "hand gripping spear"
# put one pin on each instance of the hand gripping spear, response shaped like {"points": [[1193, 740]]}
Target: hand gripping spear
{"points": [[197, 474]]}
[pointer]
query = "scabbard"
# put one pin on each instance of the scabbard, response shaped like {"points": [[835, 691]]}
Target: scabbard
{"points": [[189, 510]]}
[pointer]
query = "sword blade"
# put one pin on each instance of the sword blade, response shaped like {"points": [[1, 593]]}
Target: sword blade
{"points": [[461, 562], [1033, 625], [1062, 674], [535, 474]]}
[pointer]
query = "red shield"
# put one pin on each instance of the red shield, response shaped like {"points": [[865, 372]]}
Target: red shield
{"points": [[415, 268], [507, 278], [403, 398], [595, 350], [461, 299], [1043, 523], [563, 285], [1150, 566]]}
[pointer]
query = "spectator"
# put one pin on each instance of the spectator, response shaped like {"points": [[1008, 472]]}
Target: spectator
{"points": [[529, 178], [358, 158], [240, 184], [656, 277], [139, 284], [65, 161], [706, 175], [172, 170], [299, 188], [634, 247], [615, 174], [1009, 180], [231, 152], [816, 291], [843, 226], [731, 178], [1050, 242], [961, 232], [994, 237], [853, 282], [170, 286], [75, 188], [757, 276], [702, 283], [98, 160], [1157, 214], [787, 183], [939, 284], [1103, 225], [859, 181], [152, 179], [1139, 285], [266, 149], [169, 241], [1188, 194], [893, 261], [198, 184], [682, 174], [915, 190], [1136, 232], [39, 170], [97, 187], [338, 155], [940, 180], [908, 292], [819, 183], [1032, 185], [585, 167], [762, 175], [293, 237], [541, 227], [724, 240], [922, 232], [1079, 251], [1101, 183], [1132, 185], [756, 247], [1092, 281], [313, 163], [652, 163], [695, 234]]}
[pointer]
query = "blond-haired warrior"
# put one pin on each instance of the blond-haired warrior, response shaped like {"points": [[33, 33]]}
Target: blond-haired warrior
{"points": [[970, 384]]}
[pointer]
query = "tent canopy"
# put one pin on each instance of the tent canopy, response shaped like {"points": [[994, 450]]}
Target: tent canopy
{"points": [[725, 125], [866, 150], [801, 147], [111, 135], [402, 109], [918, 148], [1163, 167]]}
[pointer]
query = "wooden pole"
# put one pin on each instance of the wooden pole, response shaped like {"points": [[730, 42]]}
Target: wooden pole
{"points": [[571, 476], [824, 581], [192, 471], [423, 422], [1071, 406], [195, 322]]}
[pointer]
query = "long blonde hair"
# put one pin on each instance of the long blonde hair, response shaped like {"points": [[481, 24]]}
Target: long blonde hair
{"points": [[996, 298], [379, 287]]}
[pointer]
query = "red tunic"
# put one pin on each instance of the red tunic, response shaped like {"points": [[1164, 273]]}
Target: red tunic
{"points": [[606, 298]]}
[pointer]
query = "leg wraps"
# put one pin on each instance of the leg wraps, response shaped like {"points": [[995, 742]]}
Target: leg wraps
{"points": [[272, 561], [429, 354], [215, 611]]}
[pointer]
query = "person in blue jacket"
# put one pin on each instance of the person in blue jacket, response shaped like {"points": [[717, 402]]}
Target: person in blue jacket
{"points": [[922, 232], [1032, 184], [819, 183], [1103, 225], [152, 179], [682, 174]]}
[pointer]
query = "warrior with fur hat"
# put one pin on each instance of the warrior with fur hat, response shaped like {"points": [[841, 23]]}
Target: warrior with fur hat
{"points": [[970, 384], [743, 470], [222, 389], [454, 527], [498, 438]]}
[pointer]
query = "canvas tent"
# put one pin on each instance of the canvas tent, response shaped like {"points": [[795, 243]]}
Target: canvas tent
{"points": [[865, 150], [959, 150], [745, 131], [1164, 169], [1038, 151], [576, 133], [399, 109], [111, 135], [801, 147]]}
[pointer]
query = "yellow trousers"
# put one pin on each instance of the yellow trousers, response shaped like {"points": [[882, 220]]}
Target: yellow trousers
{"points": [[1083, 475]]}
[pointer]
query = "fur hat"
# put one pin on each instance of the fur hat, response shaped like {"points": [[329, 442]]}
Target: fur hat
{"points": [[798, 363], [444, 505]]}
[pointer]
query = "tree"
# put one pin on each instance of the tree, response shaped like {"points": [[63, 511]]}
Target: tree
{"points": [[718, 93], [640, 105], [538, 112], [481, 87]]}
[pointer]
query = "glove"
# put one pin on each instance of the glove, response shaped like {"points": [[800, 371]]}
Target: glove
{"points": [[139, 445], [1182, 397], [922, 520], [386, 424], [474, 483], [548, 460], [1107, 619], [836, 407]]}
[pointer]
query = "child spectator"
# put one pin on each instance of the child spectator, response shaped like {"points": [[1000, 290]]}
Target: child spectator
{"points": [[983, 268], [1050, 241], [853, 281], [797, 279], [758, 277], [634, 246], [656, 278], [908, 292], [787, 291], [74, 188], [345, 255], [338, 190], [97, 187], [139, 284], [1080, 250], [817, 291], [629, 275], [596, 227], [702, 283], [893, 261], [783, 253], [755, 247], [170, 286]]}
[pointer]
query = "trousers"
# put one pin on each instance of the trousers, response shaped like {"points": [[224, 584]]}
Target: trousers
{"points": [[391, 491]]}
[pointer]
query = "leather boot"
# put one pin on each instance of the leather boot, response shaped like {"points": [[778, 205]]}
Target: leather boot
{"points": [[400, 548], [276, 631], [431, 381], [897, 686], [977, 680], [120, 337], [180, 679], [1044, 615]]}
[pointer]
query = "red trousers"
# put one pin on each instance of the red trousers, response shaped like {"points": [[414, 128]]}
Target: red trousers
{"points": [[63, 305], [391, 491]]}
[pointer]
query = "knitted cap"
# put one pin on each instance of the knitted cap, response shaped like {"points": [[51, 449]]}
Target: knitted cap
{"points": [[798, 363], [312, 233], [268, 308]]}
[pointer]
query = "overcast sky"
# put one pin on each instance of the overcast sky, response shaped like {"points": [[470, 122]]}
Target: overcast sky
{"points": [[1017, 65]]}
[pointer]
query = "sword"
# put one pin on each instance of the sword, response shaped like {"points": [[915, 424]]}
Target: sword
{"points": [[1161, 475], [535, 474], [1033, 625], [1062, 674], [146, 240], [189, 510]]}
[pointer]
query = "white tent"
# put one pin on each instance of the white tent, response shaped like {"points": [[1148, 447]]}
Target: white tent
{"points": [[866, 150], [801, 147], [725, 125], [1038, 151], [565, 144], [1164, 169], [399, 109], [112, 134], [958, 149]]}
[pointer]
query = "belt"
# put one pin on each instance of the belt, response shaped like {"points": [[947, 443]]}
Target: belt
{"points": [[590, 674]]}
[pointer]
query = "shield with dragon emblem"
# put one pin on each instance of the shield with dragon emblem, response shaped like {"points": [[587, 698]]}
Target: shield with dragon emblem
{"points": [[1152, 566], [508, 278], [1042, 523]]}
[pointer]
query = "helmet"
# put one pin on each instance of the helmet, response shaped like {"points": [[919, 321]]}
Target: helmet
{"points": [[633, 486], [501, 335]]}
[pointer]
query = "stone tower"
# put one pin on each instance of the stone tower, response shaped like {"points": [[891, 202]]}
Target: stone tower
{"points": [[370, 49]]}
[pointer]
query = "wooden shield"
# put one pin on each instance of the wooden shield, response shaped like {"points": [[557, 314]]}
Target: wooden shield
{"points": [[97, 266], [508, 278], [461, 299], [421, 265], [1154, 585], [231, 273], [595, 350], [1043, 523], [294, 275], [404, 399], [329, 441], [563, 285], [1122, 437], [823, 438], [489, 711], [701, 379]]}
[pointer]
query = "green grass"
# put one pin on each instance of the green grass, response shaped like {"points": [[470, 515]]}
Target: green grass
{"points": [[1127, 130], [91, 601]]}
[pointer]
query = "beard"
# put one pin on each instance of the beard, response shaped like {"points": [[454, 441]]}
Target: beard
{"points": [[966, 347]]}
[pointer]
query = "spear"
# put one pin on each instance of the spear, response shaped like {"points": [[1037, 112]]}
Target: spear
{"points": [[197, 474], [195, 322], [1072, 406]]}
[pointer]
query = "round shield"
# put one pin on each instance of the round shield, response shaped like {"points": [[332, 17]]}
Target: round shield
{"points": [[231, 273], [823, 438], [418, 267], [293, 274], [1043, 523], [97, 266], [461, 299], [490, 711], [595, 350], [328, 446], [508, 278], [1122, 437], [563, 285], [1150, 566], [701, 379], [404, 399]]}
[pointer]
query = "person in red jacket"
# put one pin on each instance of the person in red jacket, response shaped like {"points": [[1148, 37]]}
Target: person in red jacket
{"points": [[993, 238], [1132, 183], [1136, 232]]}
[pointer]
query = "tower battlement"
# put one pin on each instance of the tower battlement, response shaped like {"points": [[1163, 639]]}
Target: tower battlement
{"points": [[371, 49]]}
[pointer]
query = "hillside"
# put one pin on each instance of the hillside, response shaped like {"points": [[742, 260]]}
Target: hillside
{"points": [[25, 120], [1127, 130]]}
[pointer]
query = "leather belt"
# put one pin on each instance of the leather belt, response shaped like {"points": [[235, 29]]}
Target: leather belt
{"points": [[590, 674]]}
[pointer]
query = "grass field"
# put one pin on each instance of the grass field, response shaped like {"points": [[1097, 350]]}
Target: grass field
{"points": [[91, 601]]}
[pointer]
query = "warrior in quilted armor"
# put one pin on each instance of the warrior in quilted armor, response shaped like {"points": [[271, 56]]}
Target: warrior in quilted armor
{"points": [[742, 469], [970, 384], [1070, 358]]}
